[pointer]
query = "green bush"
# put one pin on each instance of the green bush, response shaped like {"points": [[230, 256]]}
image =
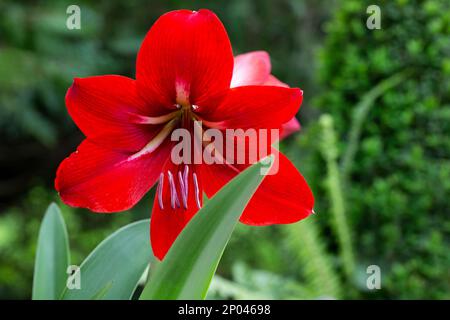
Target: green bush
{"points": [[399, 180]]}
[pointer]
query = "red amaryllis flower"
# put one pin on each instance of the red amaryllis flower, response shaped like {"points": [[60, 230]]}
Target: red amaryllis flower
{"points": [[184, 71]]}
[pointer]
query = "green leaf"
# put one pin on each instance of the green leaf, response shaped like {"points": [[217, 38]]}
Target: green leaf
{"points": [[102, 292], [52, 257], [187, 269], [112, 271]]}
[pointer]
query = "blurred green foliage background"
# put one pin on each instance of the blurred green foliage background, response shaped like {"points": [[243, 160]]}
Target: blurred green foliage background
{"points": [[374, 143]]}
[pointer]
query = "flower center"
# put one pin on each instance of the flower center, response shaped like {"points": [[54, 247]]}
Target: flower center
{"points": [[181, 182], [187, 115], [183, 117]]}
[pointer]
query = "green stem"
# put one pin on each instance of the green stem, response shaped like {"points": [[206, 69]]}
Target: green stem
{"points": [[330, 154]]}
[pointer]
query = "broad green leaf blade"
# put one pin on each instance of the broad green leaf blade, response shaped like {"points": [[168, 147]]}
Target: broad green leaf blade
{"points": [[112, 271], [190, 264], [52, 257], [102, 292]]}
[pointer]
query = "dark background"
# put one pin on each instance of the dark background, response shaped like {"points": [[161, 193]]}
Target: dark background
{"points": [[374, 143]]}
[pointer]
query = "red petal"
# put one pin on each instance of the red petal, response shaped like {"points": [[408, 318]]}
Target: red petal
{"points": [[289, 128], [282, 198], [216, 175], [167, 223], [255, 107], [292, 125], [186, 57], [252, 68], [103, 180], [272, 81], [105, 108]]}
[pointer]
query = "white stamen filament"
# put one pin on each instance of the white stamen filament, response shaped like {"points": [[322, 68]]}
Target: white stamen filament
{"points": [[183, 179], [197, 191], [183, 189], [160, 191], [186, 175], [173, 192]]}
